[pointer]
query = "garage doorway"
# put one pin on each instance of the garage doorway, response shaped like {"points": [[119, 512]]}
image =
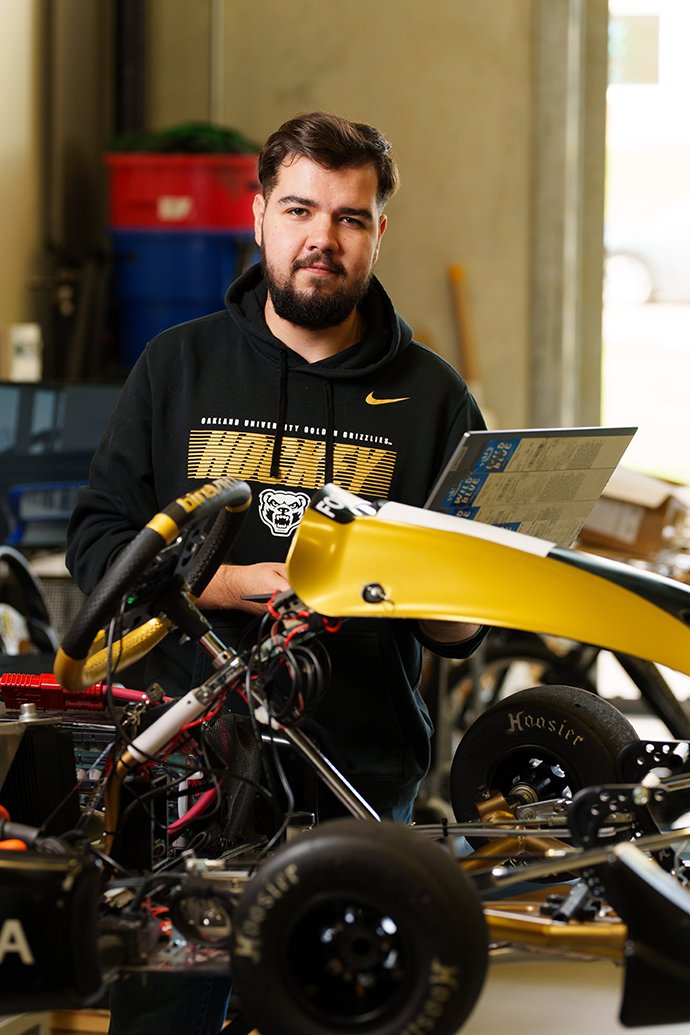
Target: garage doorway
{"points": [[646, 313]]}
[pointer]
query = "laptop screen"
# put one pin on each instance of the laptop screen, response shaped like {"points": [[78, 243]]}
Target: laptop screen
{"points": [[539, 481]]}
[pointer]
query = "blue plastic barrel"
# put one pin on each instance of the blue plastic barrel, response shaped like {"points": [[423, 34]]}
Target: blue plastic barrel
{"points": [[163, 277]]}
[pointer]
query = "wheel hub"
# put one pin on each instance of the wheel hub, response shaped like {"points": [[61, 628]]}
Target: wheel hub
{"points": [[531, 776], [347, 960]]}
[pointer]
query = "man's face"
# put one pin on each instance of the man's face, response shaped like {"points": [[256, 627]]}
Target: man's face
{"points": [[319, 233]]}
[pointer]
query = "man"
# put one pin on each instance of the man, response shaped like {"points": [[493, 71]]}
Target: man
{"points": [[309, 376]]}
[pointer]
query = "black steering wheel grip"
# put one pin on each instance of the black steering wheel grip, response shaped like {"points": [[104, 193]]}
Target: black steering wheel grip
{"points": [[81, 660]]}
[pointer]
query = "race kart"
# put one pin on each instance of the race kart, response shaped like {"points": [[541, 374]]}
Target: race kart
{"points": [[191, 842]]}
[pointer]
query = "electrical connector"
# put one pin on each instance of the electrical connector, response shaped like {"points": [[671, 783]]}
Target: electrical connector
{"points": [[48, 695]]}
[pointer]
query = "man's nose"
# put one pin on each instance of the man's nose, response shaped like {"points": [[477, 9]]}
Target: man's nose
{"points": [[323, 234]]}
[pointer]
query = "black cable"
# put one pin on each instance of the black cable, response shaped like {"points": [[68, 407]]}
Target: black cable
{"points": [[111, 863], [156, 792], [147, 887], [295, 680], [75, 789], [272, 794], [290, 799]]}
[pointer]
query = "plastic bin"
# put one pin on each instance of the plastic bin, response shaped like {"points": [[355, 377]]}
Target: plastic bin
{"points": [[175, 191], [165, 278]]}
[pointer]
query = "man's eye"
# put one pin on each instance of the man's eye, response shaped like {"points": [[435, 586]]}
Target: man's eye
{"points": [[352, 221], [297, 211]]}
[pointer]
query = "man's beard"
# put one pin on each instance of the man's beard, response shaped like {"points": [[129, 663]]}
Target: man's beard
{"points": [[314, 310]]}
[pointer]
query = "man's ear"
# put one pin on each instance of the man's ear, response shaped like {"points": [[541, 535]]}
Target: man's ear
{"points": [[383, 223], [258, 208]]}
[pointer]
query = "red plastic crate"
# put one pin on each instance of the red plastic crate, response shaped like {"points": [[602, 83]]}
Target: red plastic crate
{"points": [[174, 191]]}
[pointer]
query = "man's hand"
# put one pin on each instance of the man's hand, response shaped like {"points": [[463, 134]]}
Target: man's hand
{"points": [[448, 632], [234, 581]]}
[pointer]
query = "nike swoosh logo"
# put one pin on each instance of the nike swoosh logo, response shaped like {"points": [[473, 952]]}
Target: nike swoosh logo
{"points": [[384, 402]]}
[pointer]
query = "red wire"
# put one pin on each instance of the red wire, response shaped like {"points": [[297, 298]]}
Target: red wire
{"points": [[202, 718], [295, 632], [197, 809]]}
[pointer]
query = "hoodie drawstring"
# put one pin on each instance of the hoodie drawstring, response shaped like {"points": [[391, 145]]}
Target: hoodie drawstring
{"points": [[328, 463], [280, 423], [280, 419]]}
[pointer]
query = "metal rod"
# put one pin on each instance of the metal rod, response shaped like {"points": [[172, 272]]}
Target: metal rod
{"points": [[332, 777]]}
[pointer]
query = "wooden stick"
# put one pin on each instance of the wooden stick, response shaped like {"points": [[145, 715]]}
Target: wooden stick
{"points": [[465, 341], [467, 352]]}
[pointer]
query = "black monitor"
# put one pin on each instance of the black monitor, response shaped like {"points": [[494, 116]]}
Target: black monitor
{"points": [[48, 434]]}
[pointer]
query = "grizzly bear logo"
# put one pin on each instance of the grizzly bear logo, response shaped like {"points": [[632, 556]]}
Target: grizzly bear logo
{"points": [[282, 511]]}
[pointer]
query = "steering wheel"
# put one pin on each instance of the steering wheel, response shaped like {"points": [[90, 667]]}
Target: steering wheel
{"points": [[177, 551]]}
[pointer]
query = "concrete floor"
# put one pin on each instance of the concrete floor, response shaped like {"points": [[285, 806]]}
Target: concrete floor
{"points": [[553, 997], [546, 997]]}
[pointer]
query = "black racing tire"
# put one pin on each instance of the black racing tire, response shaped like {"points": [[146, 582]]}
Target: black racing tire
{"points": [[359, 927], [554, 739]]}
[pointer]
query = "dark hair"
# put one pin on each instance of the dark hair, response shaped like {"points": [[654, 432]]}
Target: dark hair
{"points": [[332, 142]]}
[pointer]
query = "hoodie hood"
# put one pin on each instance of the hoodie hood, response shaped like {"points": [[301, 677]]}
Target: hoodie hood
{"points": [[386, 335]]}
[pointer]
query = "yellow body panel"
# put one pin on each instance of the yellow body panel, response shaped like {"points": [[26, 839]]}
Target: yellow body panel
{"points": [[436, 574]]}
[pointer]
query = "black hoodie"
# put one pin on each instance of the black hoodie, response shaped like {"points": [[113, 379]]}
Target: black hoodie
{"points": [[222, 396]]}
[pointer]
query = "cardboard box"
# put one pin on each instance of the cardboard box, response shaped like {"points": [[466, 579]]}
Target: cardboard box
{"points": [[637, 515]]}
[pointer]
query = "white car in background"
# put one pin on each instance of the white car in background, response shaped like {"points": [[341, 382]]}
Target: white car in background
{"points": [[647, 257]]}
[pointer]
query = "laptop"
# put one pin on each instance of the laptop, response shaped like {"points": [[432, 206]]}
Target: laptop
{"points": [[542, 482]]}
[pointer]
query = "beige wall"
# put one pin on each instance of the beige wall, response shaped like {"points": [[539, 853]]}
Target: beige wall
{"points": [[449, 81], [19, 209], [179, 60]]}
